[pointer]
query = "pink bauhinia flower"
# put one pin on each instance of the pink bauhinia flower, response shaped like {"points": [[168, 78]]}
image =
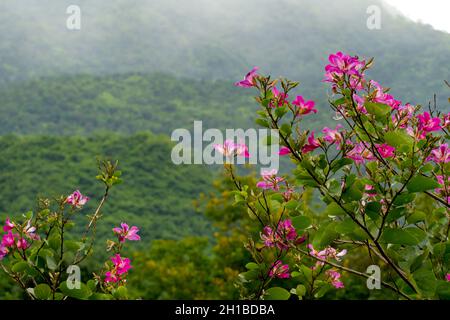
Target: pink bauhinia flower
{"points": [[249, 79], [334, 276], [326, 254], [22, 244], [360, 103], [342, 64], [360, 153], [121, 265], [3, 251], [441, 154], [403, 115], [385, 150], [382, 97], [9, 225], [9, 239], [441, 181], [270, 180], [280, 97], [446, 120], [447, 277], [312, 144], [76, 199], [279, 270], [111, 276], [370, 190], [427, 124], [127, 233], [231, 149], [284, 233], [30, 231], [304, 107], [332, 136], [284, 151]]}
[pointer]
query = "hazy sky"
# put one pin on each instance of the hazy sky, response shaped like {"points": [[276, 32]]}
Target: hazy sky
{"points": [[434, 12]]}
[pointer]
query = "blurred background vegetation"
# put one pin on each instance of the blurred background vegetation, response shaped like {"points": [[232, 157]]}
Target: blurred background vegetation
{"points": [[136, 71]]}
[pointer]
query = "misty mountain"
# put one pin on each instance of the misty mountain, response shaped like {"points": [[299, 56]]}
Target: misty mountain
{"points": [[221, 39]]}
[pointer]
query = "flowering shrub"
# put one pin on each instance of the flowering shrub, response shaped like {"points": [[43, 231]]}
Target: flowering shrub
{"points": [[369, 171], [42, 257]]}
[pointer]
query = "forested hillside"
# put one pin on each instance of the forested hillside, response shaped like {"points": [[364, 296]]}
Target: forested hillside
{"points": [[156, 194]]}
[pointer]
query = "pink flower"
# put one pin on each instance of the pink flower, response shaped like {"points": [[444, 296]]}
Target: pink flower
{"points": [[342, 64], [279, 270], [22, 244], [280, 97], [127, 233], [248, 81], [326, 254], [9, 239], [427, 124], [441, 181], [304, 107], [121, 265], [8, 225], [403, 115], [231, 149], [382, 97], [332, 136], [312, 144], [334, 277], [447, 277], [30, 231], [360, 103], [370, 190], [284, 151], [76, 199], [360, 153], [111, 276], [270, 180], [446, 120], [284, 234], [441, 154], [3, 252], [385, 150]]}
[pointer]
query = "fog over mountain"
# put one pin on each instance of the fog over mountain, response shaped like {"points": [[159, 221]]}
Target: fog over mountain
{"points": [[221, 39]]}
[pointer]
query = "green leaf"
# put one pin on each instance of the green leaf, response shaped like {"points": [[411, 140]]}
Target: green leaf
{"points": [[42, 291], [120, 293], [426, 280], [300, 290], [51, 264], [323, 290], [262, 122], [20, 266], [277, 293], [333, 209], [379, 110], [404, 198], [338, 164], [280, 111], [83, 293], [346, 226], [443, 290], [408, 236], [301, 222], [251, 266], [400, 140], [373, 210], [416, 217], [421, 183]]}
